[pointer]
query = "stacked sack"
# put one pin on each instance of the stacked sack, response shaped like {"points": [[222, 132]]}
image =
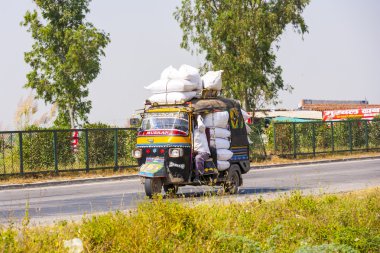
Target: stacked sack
{"points": [[212, 80], [176, 86], [220, 135]]}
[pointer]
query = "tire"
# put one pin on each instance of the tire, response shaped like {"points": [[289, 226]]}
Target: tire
{"points": [[233, 181], [171, 189], [153, 186]]}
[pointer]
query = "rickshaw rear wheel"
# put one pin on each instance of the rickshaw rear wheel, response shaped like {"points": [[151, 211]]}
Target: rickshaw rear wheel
{"points": [[153, 186], [233, 181], [171, 189]]}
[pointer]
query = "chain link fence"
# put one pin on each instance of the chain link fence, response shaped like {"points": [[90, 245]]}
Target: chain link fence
{"points": [[47, 151]]}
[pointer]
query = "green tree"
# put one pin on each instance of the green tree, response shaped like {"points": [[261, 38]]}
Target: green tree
{"points": [[240, 37], [65, 56]]}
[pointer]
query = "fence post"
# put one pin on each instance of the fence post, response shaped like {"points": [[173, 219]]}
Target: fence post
{"points": [[350, 134], [55, 152], [21, 154], [294, 141], [274, 138], [86, 150], [116, 149], [366, 135], [313, 129], [332, 137]]}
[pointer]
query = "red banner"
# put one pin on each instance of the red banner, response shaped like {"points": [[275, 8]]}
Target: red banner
{"points": [[162, 132], [365, 113]]}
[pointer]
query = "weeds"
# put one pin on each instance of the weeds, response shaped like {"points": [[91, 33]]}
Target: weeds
{"points": [[331, 223]]}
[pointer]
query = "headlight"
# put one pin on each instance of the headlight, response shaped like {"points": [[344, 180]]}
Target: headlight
{"points": [[175, 152], [137, 153]]}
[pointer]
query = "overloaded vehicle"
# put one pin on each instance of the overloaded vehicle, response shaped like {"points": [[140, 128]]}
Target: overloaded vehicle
{"points": [[165, 148]]}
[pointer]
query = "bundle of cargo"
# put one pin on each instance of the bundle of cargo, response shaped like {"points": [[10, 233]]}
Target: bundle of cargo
{"points": [[176, 86], [220, 137]]}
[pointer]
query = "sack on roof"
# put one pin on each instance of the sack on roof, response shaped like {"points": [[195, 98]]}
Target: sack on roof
{"points": [[172, 97], [185, 72], [212, 80], [171, 85]]}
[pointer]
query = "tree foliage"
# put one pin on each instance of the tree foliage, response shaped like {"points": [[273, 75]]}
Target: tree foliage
{"points": [[239, 36], [65, 56]]}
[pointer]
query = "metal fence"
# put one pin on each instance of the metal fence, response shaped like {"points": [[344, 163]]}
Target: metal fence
{"points": [[312, 138], [47, 151], [54, 151]]}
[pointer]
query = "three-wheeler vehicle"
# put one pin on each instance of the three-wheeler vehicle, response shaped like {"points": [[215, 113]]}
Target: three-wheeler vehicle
{"points": [[164, 148]]}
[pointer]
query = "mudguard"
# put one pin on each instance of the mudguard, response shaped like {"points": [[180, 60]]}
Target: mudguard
{"points": [[153, 167]]}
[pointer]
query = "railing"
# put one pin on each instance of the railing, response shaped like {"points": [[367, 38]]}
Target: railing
{"points": [[54, 151], [317, 137]]}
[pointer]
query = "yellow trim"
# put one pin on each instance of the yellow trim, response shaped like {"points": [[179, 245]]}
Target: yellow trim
{"points": [[168, 109], [163, 139]]}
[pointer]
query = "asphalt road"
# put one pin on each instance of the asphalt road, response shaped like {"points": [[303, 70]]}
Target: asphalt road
{"points": [[49, 204]]}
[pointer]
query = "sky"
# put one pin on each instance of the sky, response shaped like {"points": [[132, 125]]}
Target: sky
{"points": [[338, 59]]}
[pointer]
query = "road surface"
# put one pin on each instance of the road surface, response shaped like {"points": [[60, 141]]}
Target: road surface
{"points": [[49, 204]]}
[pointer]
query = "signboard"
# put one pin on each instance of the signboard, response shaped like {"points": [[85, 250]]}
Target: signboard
{"points": [[365, 113]]}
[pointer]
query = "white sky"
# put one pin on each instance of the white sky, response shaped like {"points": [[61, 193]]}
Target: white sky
{"points": [[338, 59]]}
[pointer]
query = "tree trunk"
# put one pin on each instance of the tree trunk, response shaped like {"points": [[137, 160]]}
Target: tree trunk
{"points": [[71, 113]]}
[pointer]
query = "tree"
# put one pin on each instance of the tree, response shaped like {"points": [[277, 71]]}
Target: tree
{"points": [[239, 36], [65, 56]]}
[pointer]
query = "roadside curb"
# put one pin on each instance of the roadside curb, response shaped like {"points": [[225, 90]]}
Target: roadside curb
{"points": [[116, 178], [258, 167], [66, 182]]}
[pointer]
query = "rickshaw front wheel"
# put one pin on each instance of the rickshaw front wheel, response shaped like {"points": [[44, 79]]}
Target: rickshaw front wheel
{"points": [[153, 186]]}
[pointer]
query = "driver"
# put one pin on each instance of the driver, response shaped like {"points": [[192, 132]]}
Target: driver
{"points": [[201, 148]]}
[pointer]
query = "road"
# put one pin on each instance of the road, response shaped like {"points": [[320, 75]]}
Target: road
{"points": [[48, 204]]}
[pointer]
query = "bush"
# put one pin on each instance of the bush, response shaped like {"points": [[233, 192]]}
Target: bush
{"points": [[38, 149]]}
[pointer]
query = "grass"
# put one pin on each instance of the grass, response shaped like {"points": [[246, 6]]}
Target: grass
{"points": [[292, 223]]}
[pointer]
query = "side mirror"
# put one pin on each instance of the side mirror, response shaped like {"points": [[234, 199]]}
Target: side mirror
{"points": [[134, 122]]}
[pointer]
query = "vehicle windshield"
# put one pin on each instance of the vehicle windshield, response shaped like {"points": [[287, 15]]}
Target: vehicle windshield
{"points": [[171, 123]]}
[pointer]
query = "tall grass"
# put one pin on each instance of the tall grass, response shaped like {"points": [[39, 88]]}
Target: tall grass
{"points": [[293, 223]]}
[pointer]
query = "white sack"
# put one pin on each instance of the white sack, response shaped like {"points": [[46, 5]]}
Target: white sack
{"points": [[217, 132], [223, 165], [190, 73], [200, 138], [217, 119], [212, 80], [224, 154], [249, 141], [246, 116], [170, 73], [249, 130], [219, 143], [168, 85], [172, 97]]}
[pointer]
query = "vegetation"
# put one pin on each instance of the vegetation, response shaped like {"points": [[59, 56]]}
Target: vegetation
{"points": [[38, 149], [65, 56], [240, 37], [294, 223], [347, 136]]}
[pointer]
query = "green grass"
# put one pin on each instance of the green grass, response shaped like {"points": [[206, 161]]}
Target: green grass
{"points": [[292, 223]]}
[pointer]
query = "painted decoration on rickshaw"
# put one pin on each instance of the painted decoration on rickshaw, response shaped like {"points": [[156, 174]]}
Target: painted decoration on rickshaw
{"points": [[153, 167]]}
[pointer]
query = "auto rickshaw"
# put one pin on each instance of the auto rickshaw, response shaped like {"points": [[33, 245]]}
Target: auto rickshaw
{"points": [[164, 148]]}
